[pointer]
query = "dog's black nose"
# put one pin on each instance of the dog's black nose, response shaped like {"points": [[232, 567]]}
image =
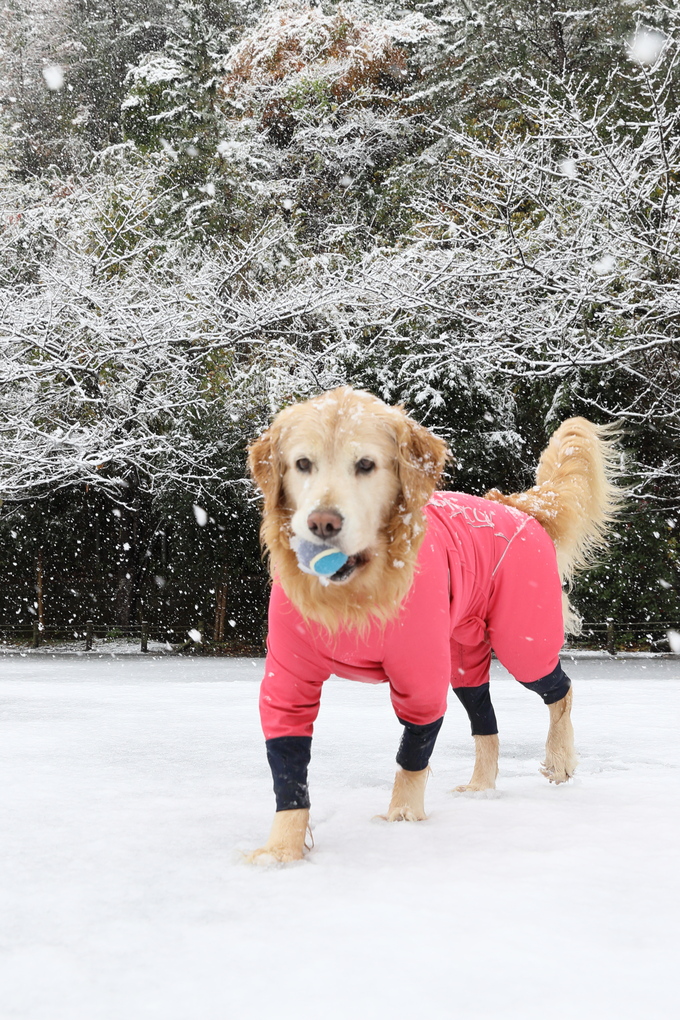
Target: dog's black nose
{"points": [[324, 523]]}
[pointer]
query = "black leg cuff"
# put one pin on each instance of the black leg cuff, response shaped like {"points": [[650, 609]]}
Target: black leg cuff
{"points": [[552, 687], [477, 703], [417, 744], [288, 759]]}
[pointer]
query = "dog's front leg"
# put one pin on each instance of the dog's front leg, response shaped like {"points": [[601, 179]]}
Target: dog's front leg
{"points": [[288, 759], [408, 794], [408, 797], [286, 840]]}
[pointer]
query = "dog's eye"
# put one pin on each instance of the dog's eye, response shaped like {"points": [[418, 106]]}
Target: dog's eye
{"points": [[304, 465], [364, 466]]}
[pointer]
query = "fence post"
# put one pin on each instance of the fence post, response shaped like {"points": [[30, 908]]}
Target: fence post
{"points": [[145, 635], [89, 635], [611, 640], [36, 634]]}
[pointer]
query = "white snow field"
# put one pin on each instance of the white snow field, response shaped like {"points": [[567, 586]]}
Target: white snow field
{"points": [[130, 787]]}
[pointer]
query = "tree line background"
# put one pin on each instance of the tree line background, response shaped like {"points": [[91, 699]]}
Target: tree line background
{"points": [[210, 208]]}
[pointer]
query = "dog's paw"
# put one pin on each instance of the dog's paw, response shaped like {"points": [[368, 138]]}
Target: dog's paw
{"points": [[403, 814], [267, 856], [473, 788], [558, 772]]}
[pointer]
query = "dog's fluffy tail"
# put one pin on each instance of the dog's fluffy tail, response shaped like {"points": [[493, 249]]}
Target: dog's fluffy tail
{"points": [[574, 498]]}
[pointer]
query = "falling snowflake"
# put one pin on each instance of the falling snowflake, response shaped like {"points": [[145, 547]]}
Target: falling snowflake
{"points": [[54, 77], [200, 515], [567, 168], [646, 45], [605, 265]]}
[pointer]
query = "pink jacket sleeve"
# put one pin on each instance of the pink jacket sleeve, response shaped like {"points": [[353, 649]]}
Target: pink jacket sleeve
{"points": [[294, 673]]}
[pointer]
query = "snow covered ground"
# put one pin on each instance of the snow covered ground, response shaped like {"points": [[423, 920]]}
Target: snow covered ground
{"points": [[130, 786]]}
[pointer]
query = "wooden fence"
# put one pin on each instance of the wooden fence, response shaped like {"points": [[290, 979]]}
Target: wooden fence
{"points": [[611, 635], [33, 636], [614, 635]]}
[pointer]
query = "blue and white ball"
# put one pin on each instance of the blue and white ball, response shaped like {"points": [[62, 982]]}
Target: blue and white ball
{"points": [[320, 560]]}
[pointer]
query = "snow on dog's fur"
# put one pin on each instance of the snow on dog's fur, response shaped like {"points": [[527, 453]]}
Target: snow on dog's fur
{"points": [[348, 451], [381, 506]]}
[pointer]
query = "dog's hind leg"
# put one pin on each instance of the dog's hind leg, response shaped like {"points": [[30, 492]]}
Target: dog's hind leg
{"points": [[486, 765], [560, 757], [477, 703]]}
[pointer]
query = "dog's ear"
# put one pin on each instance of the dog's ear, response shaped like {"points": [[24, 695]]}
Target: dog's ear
{"points": [[421, 457], [264, 464]]}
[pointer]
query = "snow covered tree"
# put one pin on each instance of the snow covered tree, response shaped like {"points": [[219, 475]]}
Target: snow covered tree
{"points": [[173, 105], [472, 208], [465, 69], [64, 70], [555, 256], [322, 86]]}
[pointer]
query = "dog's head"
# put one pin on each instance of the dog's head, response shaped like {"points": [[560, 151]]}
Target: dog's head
{"points": [[347, 470]]}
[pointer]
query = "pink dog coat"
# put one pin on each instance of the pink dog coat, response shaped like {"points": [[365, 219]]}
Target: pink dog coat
{"points": [[486, 578]]}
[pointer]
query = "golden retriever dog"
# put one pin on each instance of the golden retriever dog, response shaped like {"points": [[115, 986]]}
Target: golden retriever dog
{"points": [[425, 585]]}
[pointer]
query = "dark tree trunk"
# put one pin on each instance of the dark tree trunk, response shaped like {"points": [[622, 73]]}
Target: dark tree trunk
{"points": [[558, 42], [221, 605], [40, 589], [127, 567]]}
